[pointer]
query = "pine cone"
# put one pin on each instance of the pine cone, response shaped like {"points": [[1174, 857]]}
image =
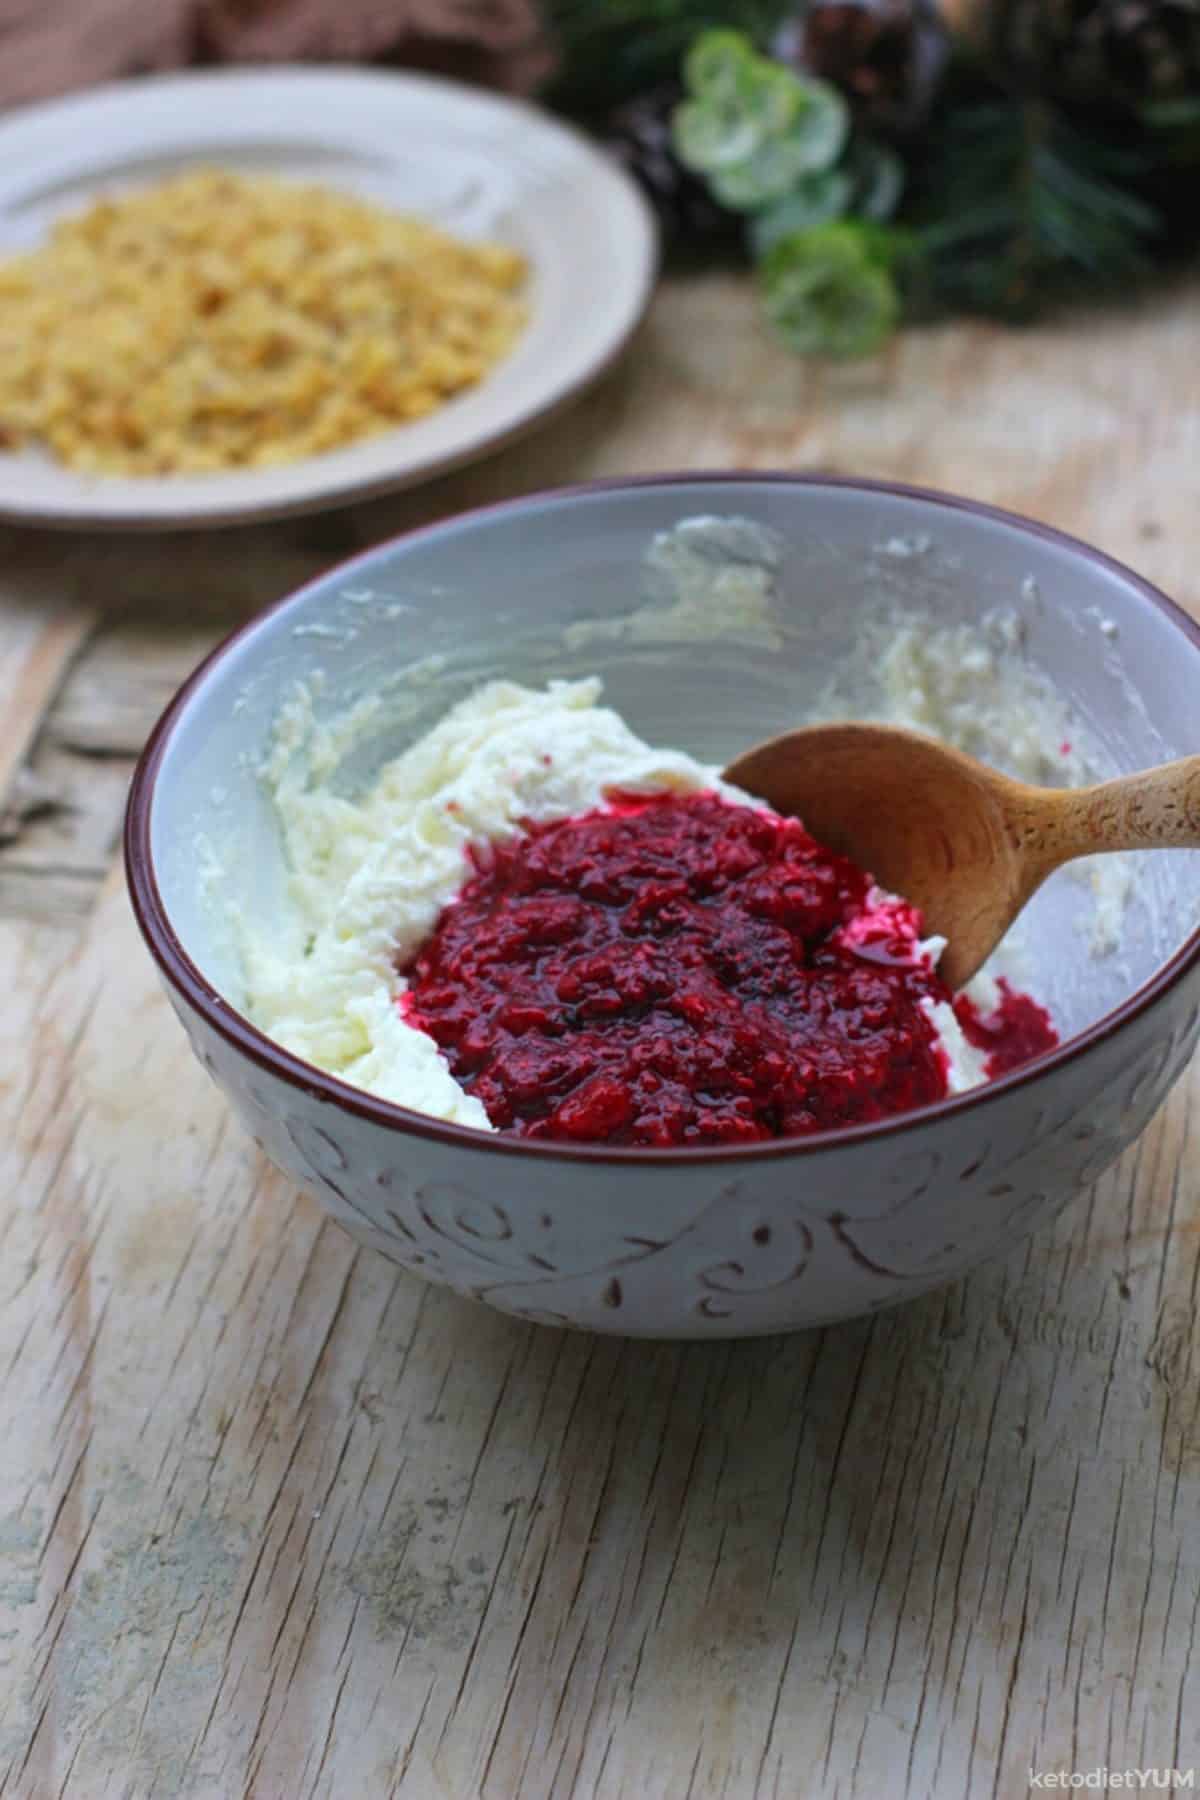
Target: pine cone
{"points": [[885, 55], [639, 136], [1094, 51]]}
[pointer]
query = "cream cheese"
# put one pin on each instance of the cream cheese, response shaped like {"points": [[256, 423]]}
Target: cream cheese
{"points": [[370, 876]]}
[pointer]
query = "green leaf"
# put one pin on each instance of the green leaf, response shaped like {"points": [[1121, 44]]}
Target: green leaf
{"points": [[755, 122], [815, 200], [888, 246], [724, 68], [775, 170], [824, 124], [747, 105], [877, 177], [710, 135], [774, 98], [828, 292], [718, 64]]}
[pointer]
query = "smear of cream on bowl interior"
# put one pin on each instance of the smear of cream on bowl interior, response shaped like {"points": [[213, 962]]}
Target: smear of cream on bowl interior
{"points": [[972, 686]]}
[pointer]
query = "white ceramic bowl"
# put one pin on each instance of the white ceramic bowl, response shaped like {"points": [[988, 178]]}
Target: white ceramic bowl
{"points": [[686, 1243]]}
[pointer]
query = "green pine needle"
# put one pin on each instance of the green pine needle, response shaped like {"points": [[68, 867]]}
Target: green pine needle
{"points": [[1017, 204]]}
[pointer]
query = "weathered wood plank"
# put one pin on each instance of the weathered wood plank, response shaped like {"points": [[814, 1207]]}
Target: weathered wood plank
{"points": [[38, 640]]}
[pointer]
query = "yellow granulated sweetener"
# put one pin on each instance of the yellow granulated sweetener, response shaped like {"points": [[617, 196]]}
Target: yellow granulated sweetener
{"points": [[217, 321]]}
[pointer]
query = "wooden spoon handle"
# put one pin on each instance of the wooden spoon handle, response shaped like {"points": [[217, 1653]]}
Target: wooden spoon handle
{"points": [[1156, 809]]}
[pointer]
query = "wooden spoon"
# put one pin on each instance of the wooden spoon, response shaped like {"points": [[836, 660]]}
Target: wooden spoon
{"points": [[966, 845]]}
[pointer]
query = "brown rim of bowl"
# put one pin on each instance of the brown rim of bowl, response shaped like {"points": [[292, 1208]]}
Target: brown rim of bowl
{"points": [[182, 974]]}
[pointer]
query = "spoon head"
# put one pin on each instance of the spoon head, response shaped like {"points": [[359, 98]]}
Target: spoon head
{"points": [[926, 821]]}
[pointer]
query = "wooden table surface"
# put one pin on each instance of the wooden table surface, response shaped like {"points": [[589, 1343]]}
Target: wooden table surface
{"points": [[276, 1519]]}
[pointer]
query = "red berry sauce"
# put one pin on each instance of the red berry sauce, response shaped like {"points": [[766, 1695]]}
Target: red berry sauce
{"points": [[1015, 1033], [678, 970]]}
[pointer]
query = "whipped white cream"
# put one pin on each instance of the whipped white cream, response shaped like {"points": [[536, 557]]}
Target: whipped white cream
{"points": [[370, 876]]}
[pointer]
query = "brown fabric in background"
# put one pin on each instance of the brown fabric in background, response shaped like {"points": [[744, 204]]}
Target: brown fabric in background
{"points": [[53, 46], [49, 46]]}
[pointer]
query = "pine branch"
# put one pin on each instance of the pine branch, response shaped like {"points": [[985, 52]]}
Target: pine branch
{"points": [[1015, 204]]}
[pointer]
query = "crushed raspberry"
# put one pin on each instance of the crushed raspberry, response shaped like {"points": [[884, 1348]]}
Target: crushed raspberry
{"points": [[1017, 1031], [677, 970]]}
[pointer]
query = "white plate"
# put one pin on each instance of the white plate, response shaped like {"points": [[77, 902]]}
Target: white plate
{"points": [[480, 165]]}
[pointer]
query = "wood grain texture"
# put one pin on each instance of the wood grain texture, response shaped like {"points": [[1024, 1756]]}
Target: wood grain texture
{"points": [[277, 1520]]}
